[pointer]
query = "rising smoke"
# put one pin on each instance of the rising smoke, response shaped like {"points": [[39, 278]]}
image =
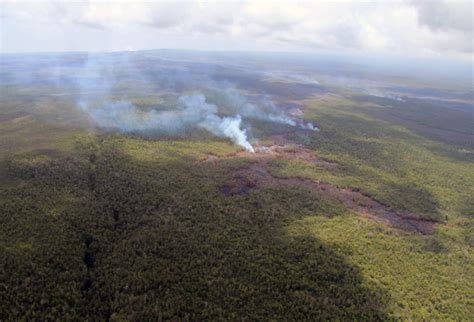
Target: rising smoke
{"points": [[196, 112], [112, 110]]}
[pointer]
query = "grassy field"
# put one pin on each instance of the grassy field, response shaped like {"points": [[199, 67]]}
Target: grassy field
{"points": [[107, 226]]}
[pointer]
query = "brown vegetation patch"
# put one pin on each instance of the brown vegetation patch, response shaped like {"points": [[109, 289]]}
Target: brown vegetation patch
{"points": [[257, 175], [284, 151]]}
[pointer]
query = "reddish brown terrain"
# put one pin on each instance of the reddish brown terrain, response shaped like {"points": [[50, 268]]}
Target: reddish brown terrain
{"points": [[257, 175]]}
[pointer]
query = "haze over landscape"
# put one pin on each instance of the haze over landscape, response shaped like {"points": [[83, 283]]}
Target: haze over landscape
{"points": [[214, 160]]}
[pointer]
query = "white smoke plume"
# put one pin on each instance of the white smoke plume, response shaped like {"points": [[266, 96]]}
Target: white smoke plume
{"points": [[126, 117], [264, 110], [309, 126], [108, 83], [228, 127]]}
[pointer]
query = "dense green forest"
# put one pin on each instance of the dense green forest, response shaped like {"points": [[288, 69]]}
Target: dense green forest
{"points": [[108, 226], [372, 218]]}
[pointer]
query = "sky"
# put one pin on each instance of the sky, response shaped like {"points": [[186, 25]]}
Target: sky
{"points": [[438, 29]]}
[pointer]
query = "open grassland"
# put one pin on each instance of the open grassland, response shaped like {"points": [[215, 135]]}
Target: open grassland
{"points": [[103, 226]]}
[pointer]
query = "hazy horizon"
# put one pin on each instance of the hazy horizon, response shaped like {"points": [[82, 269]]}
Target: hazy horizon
{"points": [[410, 29]]}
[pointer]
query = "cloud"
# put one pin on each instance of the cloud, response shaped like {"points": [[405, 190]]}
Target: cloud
{"points": [[438, 28], [90, 24], [444, 15]]}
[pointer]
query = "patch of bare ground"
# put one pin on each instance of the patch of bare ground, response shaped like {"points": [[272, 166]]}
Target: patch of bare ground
{"points": [[256, 175], [285, 151]]}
